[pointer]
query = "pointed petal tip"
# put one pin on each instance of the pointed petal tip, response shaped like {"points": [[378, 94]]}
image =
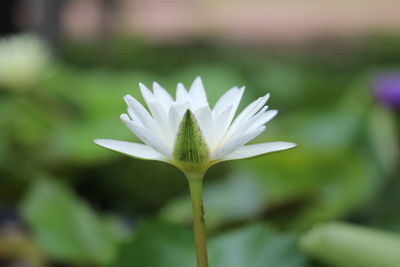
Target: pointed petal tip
{"points": [[101, 142], [286, 145], [156, 85], [240, 90], [292, 145], [96, 141], [198, 80], [124, 117], [181, 92], [273, 113], [157, 88], [129, 99], [251, 151], [145, 91], [142, 86], [264, 98]]}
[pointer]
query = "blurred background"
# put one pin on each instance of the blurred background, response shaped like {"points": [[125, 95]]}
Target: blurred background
{"points": [[332, 68]]}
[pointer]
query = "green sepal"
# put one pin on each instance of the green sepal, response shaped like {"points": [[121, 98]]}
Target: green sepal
{"points": [[190, 146]]}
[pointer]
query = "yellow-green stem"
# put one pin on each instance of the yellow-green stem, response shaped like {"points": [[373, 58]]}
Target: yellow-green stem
{"points": [[199, 229]]}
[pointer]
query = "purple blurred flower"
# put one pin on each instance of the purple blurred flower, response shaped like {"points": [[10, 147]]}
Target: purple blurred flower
{"points": [[387, 89]]}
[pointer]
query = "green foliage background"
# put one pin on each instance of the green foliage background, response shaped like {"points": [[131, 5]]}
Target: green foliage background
{"points": [[82, 205]]}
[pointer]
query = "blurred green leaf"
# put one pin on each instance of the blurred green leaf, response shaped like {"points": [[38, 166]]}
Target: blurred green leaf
{"points": [[285, 82], [66, 228], [91, 103], [346, 245], [257, 246], [317, 186], [384, 138], [74, 142], [239, 197], [330, 173], [159, 245]]}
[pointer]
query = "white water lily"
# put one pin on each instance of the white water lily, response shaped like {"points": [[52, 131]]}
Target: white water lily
{"points": [[187, 133], [221, 136]]}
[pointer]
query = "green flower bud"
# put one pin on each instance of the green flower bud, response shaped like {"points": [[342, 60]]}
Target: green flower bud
{"points": [[190, 146]]}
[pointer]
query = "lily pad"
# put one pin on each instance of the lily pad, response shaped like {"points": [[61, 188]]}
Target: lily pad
{"points": [[159, 244], [66, 228]]}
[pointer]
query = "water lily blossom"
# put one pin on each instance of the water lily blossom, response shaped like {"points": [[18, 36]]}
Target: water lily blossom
{"points": [[187, 125], [188, 134]]}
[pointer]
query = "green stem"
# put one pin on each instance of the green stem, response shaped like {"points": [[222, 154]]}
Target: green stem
{"points": [[196, 192]]}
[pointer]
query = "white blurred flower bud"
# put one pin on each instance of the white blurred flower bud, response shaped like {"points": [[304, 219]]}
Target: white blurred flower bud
{"points": [[23, 60]]}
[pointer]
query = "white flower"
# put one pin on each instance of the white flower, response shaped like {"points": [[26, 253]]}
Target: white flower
{"points": [[23, 58], [188, 125]]}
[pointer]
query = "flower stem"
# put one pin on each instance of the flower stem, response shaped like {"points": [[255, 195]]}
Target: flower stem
{"points": [[196, 192]]}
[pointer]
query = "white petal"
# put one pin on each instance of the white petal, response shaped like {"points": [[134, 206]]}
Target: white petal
{"points": [[176, 113], [230, 100], [244, 127], [235, 129], [155, 123], [260, 112], [258, 149], [197, 94], [221, 124], [261, 120], [181, 94], [250, 110], [235, 105], [146, 93], [160, 117], [204, 118], [139, 113], [152, 123], [231, 97], [134, 117], [162, 96], [135, 150], [147, 136], [233, 144]]}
